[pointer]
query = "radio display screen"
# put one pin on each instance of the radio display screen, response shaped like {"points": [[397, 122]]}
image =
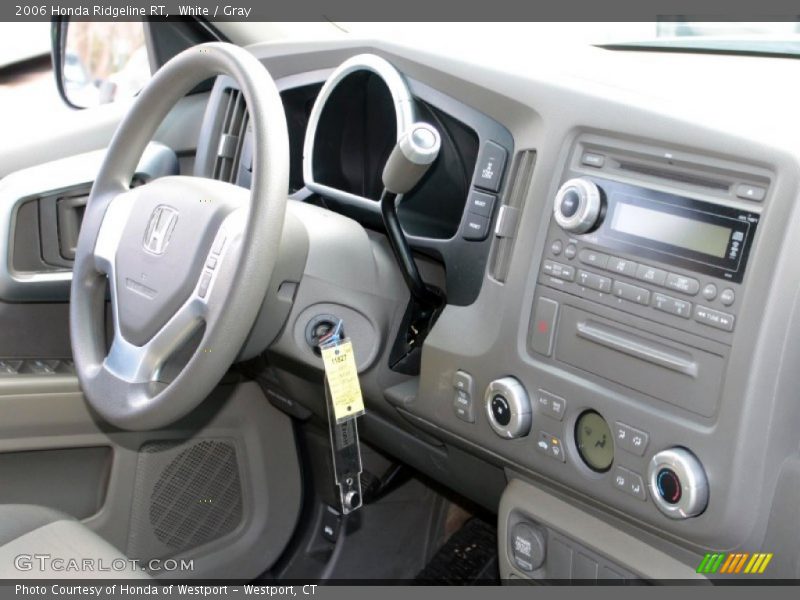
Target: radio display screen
{"points": [[681, 232]]}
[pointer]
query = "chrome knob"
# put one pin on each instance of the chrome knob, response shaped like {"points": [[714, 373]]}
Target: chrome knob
{"points": [[577, 205], [508, 408], [678, 483]]}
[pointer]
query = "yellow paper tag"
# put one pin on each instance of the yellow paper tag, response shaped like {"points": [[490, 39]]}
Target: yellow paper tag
{"points": [[342, 376]]}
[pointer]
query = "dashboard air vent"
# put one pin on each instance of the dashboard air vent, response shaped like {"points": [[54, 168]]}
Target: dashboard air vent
{"points": [[505, 229], [231, 149]]}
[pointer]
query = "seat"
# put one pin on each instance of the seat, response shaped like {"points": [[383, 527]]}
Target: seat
{"points": [[38, 542]]}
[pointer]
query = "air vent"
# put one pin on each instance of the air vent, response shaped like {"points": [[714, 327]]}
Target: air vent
{"points": [[506, 227], [234, 150]]}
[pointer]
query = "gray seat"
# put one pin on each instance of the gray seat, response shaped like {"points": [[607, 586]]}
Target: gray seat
{"points": [[38, 542]]}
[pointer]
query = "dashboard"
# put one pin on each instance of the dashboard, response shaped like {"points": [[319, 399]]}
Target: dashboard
{"points": [[617, 348]]}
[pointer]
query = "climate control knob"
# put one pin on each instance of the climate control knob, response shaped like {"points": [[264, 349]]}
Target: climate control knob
{"points": [[678, 483], [578, 205], [508, 408]]}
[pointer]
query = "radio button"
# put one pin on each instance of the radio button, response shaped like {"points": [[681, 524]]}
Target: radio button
{"points": [[651, 274], [622, 266], [570, 251], [594, 281], [710, 292], [671, 305], [751, 192], [559, 270], [596, 259], [727, 297], [713, 318], [684, 284], [631, 293], [556, 247]]}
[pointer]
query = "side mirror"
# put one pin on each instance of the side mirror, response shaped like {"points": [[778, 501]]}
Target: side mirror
{"points": [[98, 62]]}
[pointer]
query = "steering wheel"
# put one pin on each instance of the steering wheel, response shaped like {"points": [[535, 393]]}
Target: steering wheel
{"points": [[187, 260]]}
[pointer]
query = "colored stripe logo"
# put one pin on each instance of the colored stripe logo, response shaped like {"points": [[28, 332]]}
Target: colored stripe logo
{"points": [[734, 563]]}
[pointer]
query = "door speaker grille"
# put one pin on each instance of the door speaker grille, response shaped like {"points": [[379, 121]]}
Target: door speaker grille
{"points": [[187, 494]]}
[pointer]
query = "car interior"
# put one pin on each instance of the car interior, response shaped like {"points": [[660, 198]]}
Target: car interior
{"points": [[564, 285]]}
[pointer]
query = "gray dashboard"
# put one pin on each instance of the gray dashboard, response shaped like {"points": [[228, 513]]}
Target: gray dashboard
{"points": [[722, 388]]}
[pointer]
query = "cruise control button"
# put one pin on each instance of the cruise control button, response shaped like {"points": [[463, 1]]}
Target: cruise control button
{"points": [[622, 266], [476, 228], [630, 439], [480, 203], [559, 270], [674, 306], [651, 274], [681, 283], [594, 281], [713, 318], [631, 293], [596, 259]]}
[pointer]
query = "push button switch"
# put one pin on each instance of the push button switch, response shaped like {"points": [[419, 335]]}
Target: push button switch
{"points": [[629, 482], [480, 204], [543, 326], [630, 439], [491, 163], [476, 227]]}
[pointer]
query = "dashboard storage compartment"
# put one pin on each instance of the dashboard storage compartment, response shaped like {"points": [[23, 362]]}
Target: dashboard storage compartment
{"points": [[665, 369]]}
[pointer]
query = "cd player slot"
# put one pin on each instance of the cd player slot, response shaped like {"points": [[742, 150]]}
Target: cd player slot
{"points": [[666, 369], [638, 347]]}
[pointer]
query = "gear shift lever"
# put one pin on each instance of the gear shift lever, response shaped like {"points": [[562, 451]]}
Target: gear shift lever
{"points": [[415, 152], [412, 156]]}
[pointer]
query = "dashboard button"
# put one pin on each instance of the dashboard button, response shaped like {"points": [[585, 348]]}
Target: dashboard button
{"points": [[559, 270], [550, 404], [629, 482], [751, 192], [631, 293], [622, 266], [630, 439], [480, 203], [651, 274], [727, 297], [556, 247], [463, 406], [713, 318], [681, 283], [205, 281], [551, 445], [570, 251], [543, 326], [476, 228], [590, 159], [528, 546], [463, 381], [594, 281], [671, 305], [591, 257], [491, 162], [710, 292]]}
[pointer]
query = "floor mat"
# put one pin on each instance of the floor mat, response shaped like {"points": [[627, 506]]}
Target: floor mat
{"points": [[469, 557]]}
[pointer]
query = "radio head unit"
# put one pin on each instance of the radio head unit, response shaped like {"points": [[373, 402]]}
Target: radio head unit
{"points": [[706, 238]]}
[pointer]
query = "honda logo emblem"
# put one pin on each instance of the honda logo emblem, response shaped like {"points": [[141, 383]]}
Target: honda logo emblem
{"points": [[159, 229]]}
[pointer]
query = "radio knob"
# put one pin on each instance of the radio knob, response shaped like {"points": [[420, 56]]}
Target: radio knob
{"points": [[508, 408], [678, 483], [577, 205]]}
